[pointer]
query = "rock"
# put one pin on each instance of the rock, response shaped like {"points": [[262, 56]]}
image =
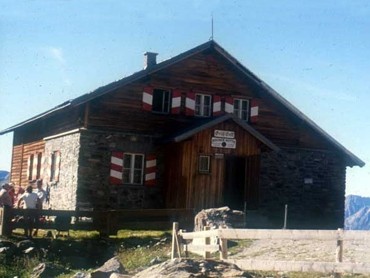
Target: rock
{"points": [[24, 244], [6, 243], [117, 275], [46, 270], [4, 249], [81, 275], [111, 266], [154, 261], [218, 217], [186, 268]]}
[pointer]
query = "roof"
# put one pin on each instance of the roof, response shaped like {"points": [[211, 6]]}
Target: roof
{"points": [[210, 122], [351, 158]]}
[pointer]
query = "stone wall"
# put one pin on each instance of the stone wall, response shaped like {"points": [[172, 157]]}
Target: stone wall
{"points": [[94, 169], [63, 192], [311, 183]]}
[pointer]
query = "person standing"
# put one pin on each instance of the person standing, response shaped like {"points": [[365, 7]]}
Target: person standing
{"points": [[41, 193], [31, 203], [7, 203], [5, 198]]}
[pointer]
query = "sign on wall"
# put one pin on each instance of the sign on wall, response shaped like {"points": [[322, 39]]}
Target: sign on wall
{"points": [[223, 139], [224, 133], [226, 143]]}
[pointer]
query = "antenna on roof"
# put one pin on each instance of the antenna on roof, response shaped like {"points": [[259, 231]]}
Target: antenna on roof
{"points": [[211, 38]]}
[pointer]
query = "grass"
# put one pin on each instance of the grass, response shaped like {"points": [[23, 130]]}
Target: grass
{"points": [[83, 251]]}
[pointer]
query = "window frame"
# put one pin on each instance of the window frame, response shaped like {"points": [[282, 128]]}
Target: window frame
{"points": [[165, 106], [131, 169], [31, 159], [200, 107], [207, 169], [239, 112]]}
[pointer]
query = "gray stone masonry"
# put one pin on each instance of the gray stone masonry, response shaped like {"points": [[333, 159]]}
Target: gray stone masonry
{"points": [[94, 170], [310, 182], [63, 193]]}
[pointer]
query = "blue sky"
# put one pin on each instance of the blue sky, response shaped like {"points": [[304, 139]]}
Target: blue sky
{"points": [[314, 53]]}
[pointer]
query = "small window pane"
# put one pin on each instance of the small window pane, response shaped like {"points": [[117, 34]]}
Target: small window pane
{"points": [[138, 162], [126, 176], [204, 164], [127, 161], [137, 176], [161, 101]]}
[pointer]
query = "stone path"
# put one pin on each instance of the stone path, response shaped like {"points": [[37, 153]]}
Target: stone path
{"points": [[305, 250]]}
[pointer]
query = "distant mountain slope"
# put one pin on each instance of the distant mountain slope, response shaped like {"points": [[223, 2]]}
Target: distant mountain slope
{"points": [[4, 176], [357, 213]]}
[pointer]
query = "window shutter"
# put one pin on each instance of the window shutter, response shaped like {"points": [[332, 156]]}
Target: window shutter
{"points": [[216, 105], [190, 104], [116, 168], [176, 102], [148, 98], [150, 170], [28, 167], [57, 166], [254, 110], [43, 173], [229, 105], [34, 166]]}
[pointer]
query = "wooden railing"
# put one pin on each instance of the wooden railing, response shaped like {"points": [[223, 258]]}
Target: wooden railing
{"points": [[107, 222], [181, 247]]}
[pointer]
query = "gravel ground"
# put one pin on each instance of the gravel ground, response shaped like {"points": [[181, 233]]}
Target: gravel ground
{"points": [[305, 250]]}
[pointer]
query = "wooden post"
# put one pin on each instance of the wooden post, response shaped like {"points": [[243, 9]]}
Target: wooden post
{"points": [[339, 251], [174, 251], [285, 216], [1, 221], [207, 241], [223, 249]]}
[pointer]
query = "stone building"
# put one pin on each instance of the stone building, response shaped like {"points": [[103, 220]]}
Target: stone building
{"points": [[196, 131]]}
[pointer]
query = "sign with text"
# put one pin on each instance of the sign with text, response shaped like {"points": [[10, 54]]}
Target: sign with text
{"points": [[226, 143], [224, 133]]}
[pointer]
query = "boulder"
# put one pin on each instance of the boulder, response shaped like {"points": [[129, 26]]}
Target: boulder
{"points": [[186, 268], [111, 266], [215, 218]]}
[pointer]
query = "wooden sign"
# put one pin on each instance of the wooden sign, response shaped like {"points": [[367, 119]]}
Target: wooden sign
{"points": [[223, 143], [224, 134]]}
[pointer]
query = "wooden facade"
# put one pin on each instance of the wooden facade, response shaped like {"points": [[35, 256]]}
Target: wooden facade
{"points": [[200, 91]]}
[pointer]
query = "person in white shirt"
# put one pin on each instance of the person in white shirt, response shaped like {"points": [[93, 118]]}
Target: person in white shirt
{"points": [[41, 193], [31, 202]]}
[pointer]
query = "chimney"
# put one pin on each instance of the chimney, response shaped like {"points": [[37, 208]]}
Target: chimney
{"points": [[150, 59]]}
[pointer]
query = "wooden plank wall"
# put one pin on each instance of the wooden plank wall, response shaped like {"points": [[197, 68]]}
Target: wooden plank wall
{"points": [[206, 190], [208, 73], [20, 160]]}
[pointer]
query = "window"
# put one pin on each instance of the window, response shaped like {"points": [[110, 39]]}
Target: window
{"points": [[204, 164], [241, 108], [38, 166], [133, 165], [30, 167], [34, 166], [161, 101], [53, 165], [202, 105]]}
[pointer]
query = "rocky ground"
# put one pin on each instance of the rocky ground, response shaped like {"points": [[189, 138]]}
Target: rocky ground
{"points": [[305, 250]]}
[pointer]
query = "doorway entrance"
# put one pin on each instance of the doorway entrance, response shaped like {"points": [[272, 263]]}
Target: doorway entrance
{"points": [[235, 182]]}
